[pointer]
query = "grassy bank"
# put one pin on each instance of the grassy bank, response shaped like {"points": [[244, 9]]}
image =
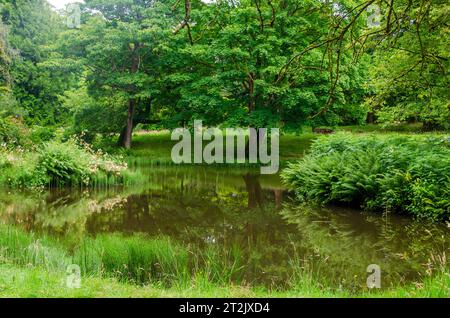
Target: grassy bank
{"points": [[35, 282], [61, 164], [76, 164], [407, 174], [155, 148], [115, 266]]}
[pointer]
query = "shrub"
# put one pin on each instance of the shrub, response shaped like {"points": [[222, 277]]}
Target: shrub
{"points": [[42, 134], [13, 132], [64, 163], [403, 174], [61, 164]]}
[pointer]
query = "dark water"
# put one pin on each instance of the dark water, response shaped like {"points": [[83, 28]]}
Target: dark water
{"points": [[239, 209]]}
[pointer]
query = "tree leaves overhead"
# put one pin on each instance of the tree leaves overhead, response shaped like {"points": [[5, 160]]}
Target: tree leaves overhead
{"points": [[249, 63]]}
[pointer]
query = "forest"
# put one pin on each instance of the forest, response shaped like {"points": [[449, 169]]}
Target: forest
{"points": [[89, 94]]}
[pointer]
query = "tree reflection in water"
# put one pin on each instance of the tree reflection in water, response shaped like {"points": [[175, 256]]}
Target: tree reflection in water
{"points": [[204, 207]]}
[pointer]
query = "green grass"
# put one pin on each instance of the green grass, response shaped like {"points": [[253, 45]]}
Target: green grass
{"points": [[35, 282], [156, 148], [134, 259], [116, 266], [151, 148]]}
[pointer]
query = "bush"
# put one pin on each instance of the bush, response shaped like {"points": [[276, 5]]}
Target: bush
{"points": [[13, 133], [71, 163], [65, 163], [42, 134], [402, 174]]}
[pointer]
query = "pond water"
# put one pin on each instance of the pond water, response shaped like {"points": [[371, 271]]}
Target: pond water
{"points": [[239, 209]]}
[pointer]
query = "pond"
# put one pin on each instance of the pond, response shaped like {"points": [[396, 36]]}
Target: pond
{"points": [[251, 218]]}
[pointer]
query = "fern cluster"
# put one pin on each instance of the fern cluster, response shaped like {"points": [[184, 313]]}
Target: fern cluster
{"points": [[407, 174]]}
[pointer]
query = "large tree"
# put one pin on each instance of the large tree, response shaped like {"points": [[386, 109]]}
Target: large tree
{"points": [[36, 81], [6, 58], [258, 63], [120, 43]]}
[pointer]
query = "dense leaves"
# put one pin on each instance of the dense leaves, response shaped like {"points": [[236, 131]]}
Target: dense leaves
{"points": [[406, 174], [163, 63]]}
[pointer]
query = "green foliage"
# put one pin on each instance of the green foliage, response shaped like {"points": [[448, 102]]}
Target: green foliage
{"points": [[64, 164], [248, 63], [409, 80], [41, 134], [38, 73], [403, 174], [12, 132], [94, 116], [5, 58], [233, 71], [72, 163], [134, 259]]}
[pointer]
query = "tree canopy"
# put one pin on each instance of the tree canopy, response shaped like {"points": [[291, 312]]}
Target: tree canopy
{"points": [[260, 63]]}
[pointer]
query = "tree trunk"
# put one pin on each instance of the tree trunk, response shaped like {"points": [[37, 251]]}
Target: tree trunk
{"points": [[370, 118], [127, 132], [254, 190], [120, 142], [430, 126]]}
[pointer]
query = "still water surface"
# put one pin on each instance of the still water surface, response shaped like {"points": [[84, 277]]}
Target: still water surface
{"points": [[239, 209]]}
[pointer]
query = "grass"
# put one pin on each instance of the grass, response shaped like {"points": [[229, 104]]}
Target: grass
{"points": [[115, 266], [34, 265], [156, 148], [35, 282], [134, 259]]}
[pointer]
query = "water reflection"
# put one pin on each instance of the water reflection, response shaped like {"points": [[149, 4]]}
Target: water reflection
{"points": [[200, 207]]}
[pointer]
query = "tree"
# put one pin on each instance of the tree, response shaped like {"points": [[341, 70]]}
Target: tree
{"points": [[409, 73], [241, 64], [36, 84], [5, 58], [119, 44]]}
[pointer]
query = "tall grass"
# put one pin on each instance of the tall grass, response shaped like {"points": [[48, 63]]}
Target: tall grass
{"points": [[394, 173], [171, 268], [136, 259], [28, 249]]}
